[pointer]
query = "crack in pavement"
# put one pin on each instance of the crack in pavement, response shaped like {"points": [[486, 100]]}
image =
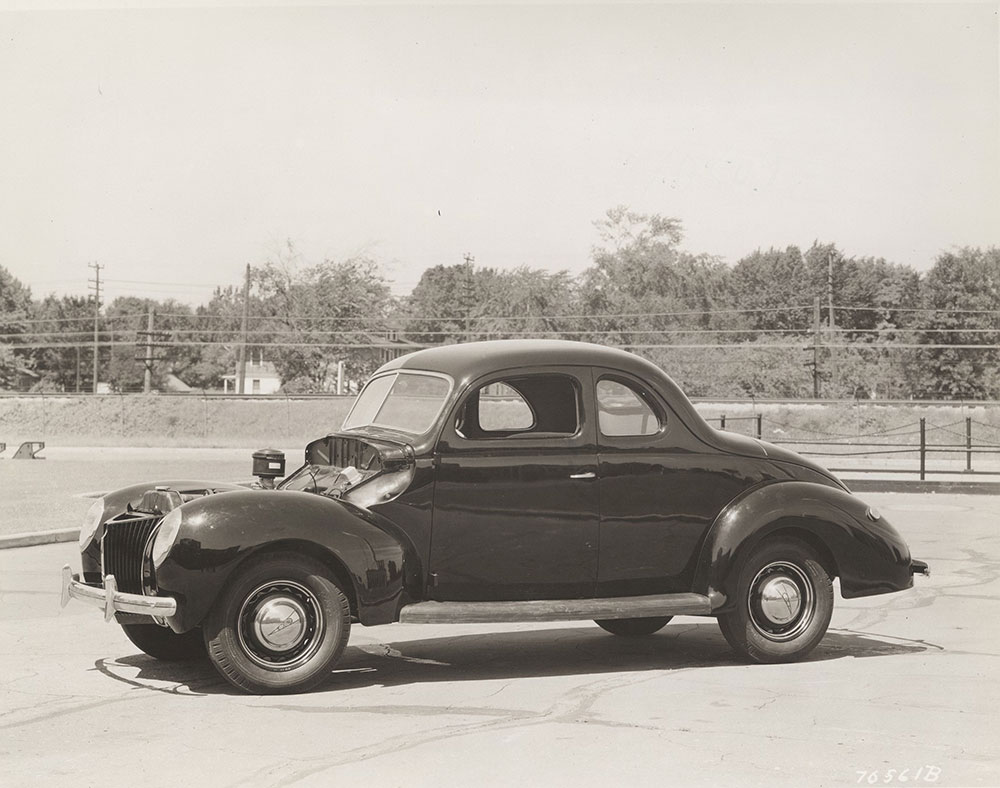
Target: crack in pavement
{"points": [[573, 708]]}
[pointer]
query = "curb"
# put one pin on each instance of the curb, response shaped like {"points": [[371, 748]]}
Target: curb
{"points": [[901, 486], [39, 537]]}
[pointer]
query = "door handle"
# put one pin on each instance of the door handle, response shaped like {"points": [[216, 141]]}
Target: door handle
{"points": [[584, 475]]}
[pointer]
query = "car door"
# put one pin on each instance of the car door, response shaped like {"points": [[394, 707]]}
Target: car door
{"points": [[661, 488], [516, 497]]}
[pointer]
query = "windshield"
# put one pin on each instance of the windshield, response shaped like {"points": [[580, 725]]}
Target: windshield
{"points": [[405, 401]]}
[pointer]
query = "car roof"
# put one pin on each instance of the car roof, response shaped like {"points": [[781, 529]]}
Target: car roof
{"points": [[470, 360], [466, 362]]}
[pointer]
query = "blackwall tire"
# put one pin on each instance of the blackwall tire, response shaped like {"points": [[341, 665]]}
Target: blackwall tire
{"points": [[633, 627], [783, 606], [165, 644], [279, 626]]}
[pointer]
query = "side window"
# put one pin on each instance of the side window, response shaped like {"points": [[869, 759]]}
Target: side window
{"points": [[502, 408], [622, 411], [522, 406]]}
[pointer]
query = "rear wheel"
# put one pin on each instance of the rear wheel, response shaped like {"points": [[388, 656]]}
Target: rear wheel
{"points": [[784, 602], [279, 626], [633, 627], [165, 644]]}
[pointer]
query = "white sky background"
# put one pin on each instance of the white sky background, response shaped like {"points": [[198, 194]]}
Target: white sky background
{"points": [[177, 145]]}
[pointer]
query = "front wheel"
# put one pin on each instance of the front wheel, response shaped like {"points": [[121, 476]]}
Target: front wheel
{"points": [[279, 626], [784, 602], [633, 627], [165, 644]]}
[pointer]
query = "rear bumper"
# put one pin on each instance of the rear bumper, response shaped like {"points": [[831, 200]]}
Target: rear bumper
{"points": [[919, 568], [111, 600]]}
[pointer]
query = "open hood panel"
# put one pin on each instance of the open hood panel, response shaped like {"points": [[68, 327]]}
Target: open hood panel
{"points": [[365, 454], [339, 463]]}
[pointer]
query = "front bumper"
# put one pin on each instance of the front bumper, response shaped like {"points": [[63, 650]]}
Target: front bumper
{"points": [[111, 600], [919, 568]]}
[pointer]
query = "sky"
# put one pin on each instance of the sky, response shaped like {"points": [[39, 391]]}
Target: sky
{"points": [[176, 145]]}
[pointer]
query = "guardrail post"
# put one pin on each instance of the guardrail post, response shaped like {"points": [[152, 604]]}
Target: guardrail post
{"points": [[722, 421], [968, 444], [759, 427], [923, 447]]}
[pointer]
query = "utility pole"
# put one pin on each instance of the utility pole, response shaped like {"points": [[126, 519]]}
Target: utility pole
{"points": [[95, 285], [817, 338], [832, 320], [147, 376], [829, 289], [147, 340], [242, 375], [468, 293]]}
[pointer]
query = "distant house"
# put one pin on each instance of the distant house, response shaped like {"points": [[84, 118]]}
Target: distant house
{"points": [[261, 378]]}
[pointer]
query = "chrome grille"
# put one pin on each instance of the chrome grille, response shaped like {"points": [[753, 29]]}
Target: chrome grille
{"points": [[124, 540]]}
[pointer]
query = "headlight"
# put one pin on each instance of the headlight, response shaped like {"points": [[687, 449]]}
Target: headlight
{"points": [[380, 489], [91, 520], [169, 526]]}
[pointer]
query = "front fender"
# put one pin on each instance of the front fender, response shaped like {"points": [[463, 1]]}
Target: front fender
{"points": [[219, 532], [870, 557], [117, 502]]}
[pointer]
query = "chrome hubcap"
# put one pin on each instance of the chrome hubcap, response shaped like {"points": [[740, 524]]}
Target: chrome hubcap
{"points": [[781, 601], [280, 625]]}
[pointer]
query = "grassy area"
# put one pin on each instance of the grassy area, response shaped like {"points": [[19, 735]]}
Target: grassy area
{"points": [[137, 420]]}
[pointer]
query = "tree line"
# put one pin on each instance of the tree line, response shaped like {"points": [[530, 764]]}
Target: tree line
{"points": [[763, 327]]}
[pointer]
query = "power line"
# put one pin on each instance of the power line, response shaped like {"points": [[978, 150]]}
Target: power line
{"points": [[265, 332], [630, 345], [168, 284], [76, 319], [96, 281], [918, 309], [591, 316]]}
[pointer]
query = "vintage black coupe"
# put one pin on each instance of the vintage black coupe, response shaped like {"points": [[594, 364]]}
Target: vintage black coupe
{"points": [[495, 481]]}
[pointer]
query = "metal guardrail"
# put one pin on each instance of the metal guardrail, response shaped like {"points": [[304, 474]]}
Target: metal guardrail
{"points": [[884, 447]]}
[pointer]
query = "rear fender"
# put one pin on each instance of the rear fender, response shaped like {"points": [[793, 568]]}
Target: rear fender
{"points": [[869, 556], [218, 533]]}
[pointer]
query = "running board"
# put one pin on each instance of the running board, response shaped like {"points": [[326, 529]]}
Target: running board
{"points": [[556, 609]]}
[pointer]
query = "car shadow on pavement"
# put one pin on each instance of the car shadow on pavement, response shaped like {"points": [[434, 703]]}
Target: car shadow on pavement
{"points": [[563, 651]]}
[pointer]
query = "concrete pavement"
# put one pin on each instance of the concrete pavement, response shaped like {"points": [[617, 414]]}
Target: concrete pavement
{"points": [[902, 682]]}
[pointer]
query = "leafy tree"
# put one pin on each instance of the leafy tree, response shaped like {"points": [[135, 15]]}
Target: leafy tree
{"points": [[962, 291], [525, 302], [874, 290], [125, 319], [306, 307], [443, 306], [67, 320], [462, 303], [217, 324], [642, 285], [774, 288], [15, 310]]}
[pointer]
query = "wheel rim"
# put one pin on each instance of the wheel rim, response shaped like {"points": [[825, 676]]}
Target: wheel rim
{"points": [[781, 601], [280, 625]]}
